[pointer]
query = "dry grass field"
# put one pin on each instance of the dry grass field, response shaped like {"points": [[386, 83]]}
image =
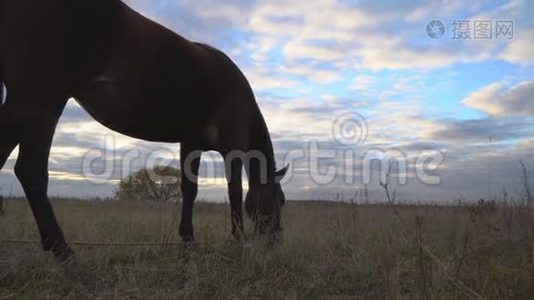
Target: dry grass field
{"points": [[331, 250]]}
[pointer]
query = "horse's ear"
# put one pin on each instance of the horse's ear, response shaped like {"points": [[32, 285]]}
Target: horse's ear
{"points": [[279, 175]]}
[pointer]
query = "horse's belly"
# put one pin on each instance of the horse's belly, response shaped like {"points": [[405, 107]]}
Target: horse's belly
{"points": [[158, 116], [137, 125], [140, 127]]}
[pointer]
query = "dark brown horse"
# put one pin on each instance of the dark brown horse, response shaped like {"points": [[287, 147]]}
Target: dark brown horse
{"points": [[137, 78]]}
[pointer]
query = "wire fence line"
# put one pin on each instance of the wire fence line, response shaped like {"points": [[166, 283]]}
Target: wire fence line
{"points": [[97, 244]]}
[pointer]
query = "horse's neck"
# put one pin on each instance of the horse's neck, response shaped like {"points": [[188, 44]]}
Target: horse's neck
{"points": [[261, 171]]}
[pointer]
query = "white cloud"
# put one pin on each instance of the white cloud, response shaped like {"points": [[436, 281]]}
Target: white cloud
{"points": [[362, 83], [313, 73], [262, 79], [343, 35], [358, 35], [498, 100], [521, 49]]}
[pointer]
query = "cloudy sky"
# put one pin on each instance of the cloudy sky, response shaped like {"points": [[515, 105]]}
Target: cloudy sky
{"points": [[457, 109]]}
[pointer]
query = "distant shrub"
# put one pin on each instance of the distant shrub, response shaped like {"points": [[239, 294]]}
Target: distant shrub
{"points": [[160, 184]]}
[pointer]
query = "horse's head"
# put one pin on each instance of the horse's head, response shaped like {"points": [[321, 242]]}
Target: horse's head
{"points": [[264, 206]]}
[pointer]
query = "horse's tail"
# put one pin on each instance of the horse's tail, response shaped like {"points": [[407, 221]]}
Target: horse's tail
{"points": [[3, 91]]}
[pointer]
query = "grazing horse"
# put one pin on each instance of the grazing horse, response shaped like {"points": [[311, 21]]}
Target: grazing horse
{"points": [[140, 79]]}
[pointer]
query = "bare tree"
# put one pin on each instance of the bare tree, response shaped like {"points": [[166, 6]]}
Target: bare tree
{"points": [[391, 195], [2, 212]]}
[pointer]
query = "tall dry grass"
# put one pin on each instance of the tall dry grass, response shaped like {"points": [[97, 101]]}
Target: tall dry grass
{"points": [[331, 250]]}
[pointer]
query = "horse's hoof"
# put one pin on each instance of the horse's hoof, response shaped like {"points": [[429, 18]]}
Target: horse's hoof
{"points": [[189, 241], [63, 254]]}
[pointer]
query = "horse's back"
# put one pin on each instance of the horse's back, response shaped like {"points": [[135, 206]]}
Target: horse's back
{"points": [[130, 73], [151, 84], [56, 42], [166, 90]]}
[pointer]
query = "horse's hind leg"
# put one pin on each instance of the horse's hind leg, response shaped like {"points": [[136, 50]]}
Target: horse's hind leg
{"points": [[190, 164], [36, 122], [234, 166]]}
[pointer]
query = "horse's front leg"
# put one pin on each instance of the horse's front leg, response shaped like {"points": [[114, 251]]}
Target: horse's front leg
{"points": [[35, 126], [189, 164], [8, 141], [234, 168]]}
